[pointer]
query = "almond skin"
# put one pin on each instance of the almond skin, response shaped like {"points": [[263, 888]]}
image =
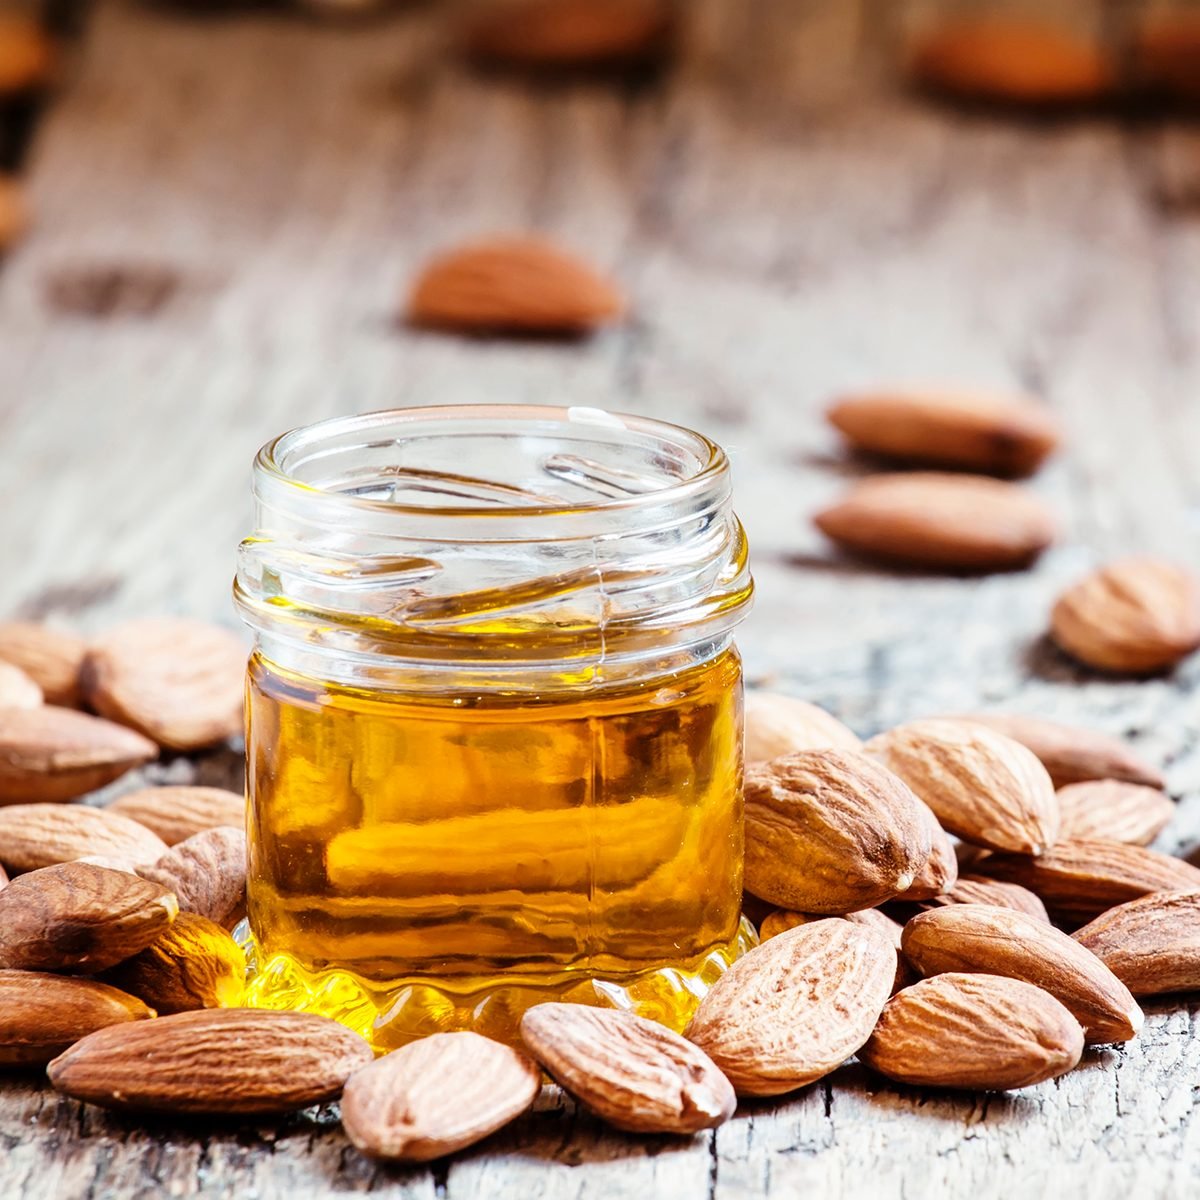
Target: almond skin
{"points": [[1151, 945], [176, 813], [1078, 880], [940, 871], [437, 1095], [995, 435], [208, 873], [981, 1032], [41, 1015], [634, 1073], [979, 939], [50, 657], [513, 285], [940, 521], [79, 918], [1114, 811], [1136, 616], [982, 786], [17, 690], [55, 754], [781, 920], [218, 1061], [40, 835], [796, 1007], [978, 889], [777, 725], [177, 681], [828, 831], [1069, 753]]}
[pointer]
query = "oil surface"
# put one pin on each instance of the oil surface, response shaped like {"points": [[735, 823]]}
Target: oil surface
{"points": [[445, 863]]}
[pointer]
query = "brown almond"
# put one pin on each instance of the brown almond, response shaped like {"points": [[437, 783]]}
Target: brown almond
{"points": [[632, 1072], [981, 1032], [1135, 616], [207, 872], [940, 871], [437, 1095], [828, 831], [982, 786], [979, 939], [218, 1061], [1114, 811], [1077, 880], [41, 1015], [79, 918], [50, 657], [1166, 54], [56, 754], [178, 681], [513, 284], [777, 725], [781, 920], [796, 1007], [557, 34], [1069, 753], [978, 889], [940, 521], [176, 813], [17, 690], [1151, 945], [1010, 60], [192, 964], [40, 835], [996, 435]]}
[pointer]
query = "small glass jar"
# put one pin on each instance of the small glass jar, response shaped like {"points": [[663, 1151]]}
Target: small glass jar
{"points": [[494, 731]]}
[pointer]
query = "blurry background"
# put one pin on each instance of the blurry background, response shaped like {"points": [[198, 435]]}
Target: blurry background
{"points": [[228, 205]]}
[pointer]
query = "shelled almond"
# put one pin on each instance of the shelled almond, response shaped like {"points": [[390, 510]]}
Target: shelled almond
{"points": [[777, 725], [51, 657]]}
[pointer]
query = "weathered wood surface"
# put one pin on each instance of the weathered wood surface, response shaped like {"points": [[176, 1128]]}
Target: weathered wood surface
{"points": [[787, 227]]}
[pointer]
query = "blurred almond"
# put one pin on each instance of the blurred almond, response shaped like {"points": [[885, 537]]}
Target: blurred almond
{"points": [[49, 656], [978, 889], [995, 435], [777, 725], [940, 521], [980, 939], [40, 835], [177, 681], [1112, 810], [982, 786], [981, 1032], [514, 285], [56, 754], [176, 813], [1134, 616], [829, 831], [207, 872], [17, 690]]}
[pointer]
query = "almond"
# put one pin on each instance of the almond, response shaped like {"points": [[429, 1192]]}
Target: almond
{"points": [[1011, 60], [981, 1032], [17, 690], [56, 754], [218, 1061], [1001, 941], [41, 1015], [828, 831], [49, 656], [1114, 811], [940, 521], [992, 434], [978, 889], [1135, 616], [777, 725], [796, 1007], [1078, 880], [176, 813], [781, 920], [553, 34], [940, 871], [40, 835], [437, 1095], [27, 54], [634, 1073], [207, 872], [1151, 945], [513, 284], [192, 964], [77, 917], [177, 681], [982, 786], [1069, 753]]}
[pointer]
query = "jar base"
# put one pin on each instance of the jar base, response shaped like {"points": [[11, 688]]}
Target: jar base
{"points": [[393, 1014]]}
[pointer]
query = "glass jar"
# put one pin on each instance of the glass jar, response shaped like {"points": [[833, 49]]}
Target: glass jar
{"points": [[494, 731]]}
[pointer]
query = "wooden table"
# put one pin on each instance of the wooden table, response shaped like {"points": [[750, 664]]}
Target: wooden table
{"points": [[788, 225]]}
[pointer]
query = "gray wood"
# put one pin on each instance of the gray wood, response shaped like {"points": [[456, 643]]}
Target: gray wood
{"points": [[787, 228]]}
